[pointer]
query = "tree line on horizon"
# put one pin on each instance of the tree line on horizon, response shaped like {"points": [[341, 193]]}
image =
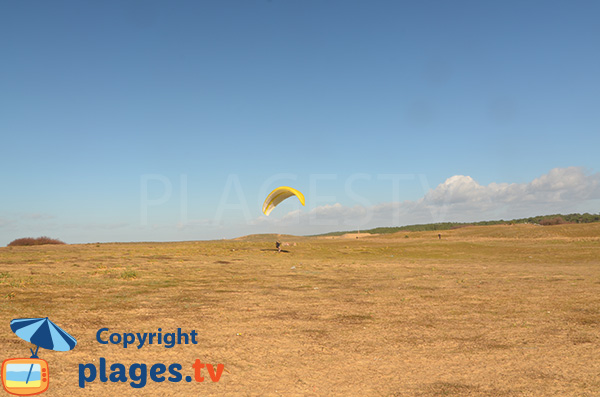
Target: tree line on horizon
{"points": [[543, 220]]}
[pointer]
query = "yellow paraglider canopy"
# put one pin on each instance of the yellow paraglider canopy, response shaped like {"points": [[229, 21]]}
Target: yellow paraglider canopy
{"points": [[278, 195]]}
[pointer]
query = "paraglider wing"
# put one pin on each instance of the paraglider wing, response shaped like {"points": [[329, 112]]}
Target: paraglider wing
{"points": [[278, 195]]}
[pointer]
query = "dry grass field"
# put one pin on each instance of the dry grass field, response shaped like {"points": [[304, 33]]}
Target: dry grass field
{"points": [[485, 311]]}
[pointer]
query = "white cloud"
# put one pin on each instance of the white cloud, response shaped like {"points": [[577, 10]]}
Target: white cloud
{"points": [[36, 216], [5, 222], [456, 189], [560, 190], [559, 185], [196, 223], [460, 198], [96, 226]]}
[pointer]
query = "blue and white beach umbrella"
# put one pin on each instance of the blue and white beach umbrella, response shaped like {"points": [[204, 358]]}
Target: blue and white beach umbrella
{"points": [[42, 333]]}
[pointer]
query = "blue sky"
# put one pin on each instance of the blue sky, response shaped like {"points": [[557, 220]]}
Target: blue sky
{"points": [[155, 120]]}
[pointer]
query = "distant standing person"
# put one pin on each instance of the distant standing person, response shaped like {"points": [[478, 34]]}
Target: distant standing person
{"points": [[439, 236], [278, 246]]}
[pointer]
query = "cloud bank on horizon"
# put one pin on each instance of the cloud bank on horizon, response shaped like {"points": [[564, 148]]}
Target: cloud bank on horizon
{"points": [[459, 198], [462, 199]]}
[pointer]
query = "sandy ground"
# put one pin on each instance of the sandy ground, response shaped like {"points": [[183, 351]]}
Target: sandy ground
{"points": [[486, 311]]}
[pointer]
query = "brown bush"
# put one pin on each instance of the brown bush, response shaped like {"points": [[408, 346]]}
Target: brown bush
{"points": [[558, 220], [34, 241]]}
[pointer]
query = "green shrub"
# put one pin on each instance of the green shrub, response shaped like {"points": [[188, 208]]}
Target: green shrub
{"points": [[128, 274]]}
